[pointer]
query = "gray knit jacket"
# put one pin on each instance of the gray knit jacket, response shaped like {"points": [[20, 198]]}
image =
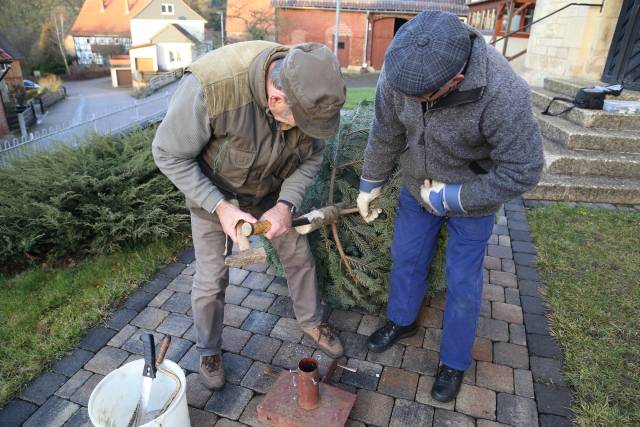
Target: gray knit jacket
{"points": [[483, 135]]}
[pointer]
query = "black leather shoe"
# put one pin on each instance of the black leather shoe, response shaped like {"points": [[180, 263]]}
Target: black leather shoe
{"points": [[384, 337], [447, 384]]}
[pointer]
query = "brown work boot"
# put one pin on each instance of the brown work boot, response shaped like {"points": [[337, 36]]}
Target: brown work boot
{"points": [[212, 371], [327, 339]]}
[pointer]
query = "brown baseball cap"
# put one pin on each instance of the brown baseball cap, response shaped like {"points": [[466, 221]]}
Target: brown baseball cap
{"points": [[313, 83]]}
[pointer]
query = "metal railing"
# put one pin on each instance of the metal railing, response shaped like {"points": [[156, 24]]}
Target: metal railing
{"points": [[140, 113]]}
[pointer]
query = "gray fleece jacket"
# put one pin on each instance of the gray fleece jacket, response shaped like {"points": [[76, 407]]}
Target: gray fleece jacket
{"points": [[483, 135]]}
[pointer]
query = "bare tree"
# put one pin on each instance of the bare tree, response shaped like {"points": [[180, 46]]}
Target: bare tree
{"points": [[59, 32], [260, 22]]}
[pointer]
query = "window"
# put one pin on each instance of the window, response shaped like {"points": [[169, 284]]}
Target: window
{"points": [[171, 58], [340, 45], [178, 56], [166, 8]]}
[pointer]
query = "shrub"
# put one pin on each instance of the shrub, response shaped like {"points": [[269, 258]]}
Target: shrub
{"points": [[50, 82], [104, 195]]}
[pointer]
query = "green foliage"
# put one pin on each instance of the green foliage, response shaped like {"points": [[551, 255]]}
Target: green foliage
{"points": [[104, 195], [356, 95], [589, 263]]}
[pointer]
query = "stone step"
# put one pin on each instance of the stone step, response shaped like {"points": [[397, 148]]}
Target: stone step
{"points": [[569, 88], [560, 160], [591, 189], [576, 137], [597, 119]]}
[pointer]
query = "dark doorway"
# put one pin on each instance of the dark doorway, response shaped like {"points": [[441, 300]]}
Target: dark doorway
{"points": [[623, 62]]}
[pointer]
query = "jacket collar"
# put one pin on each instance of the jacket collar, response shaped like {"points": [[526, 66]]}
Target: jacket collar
{"points": [[258, 74]]}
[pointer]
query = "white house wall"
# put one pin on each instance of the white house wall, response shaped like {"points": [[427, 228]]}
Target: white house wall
{"points": [[143, 52], [143, 29], [181, 50], [86, 56]]}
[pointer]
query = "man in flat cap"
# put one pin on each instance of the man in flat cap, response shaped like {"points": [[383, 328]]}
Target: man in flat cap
{"points": [[459, 119], [242, 139]]}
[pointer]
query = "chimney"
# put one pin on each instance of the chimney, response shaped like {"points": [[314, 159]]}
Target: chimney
{"points": [[126, 7], [101, 5]]}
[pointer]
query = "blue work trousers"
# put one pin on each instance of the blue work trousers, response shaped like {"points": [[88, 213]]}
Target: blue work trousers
{"points": [[415, 241]]}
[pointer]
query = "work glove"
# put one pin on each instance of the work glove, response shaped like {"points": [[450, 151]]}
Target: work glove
{"points": [[363, 201], [440, 197]]}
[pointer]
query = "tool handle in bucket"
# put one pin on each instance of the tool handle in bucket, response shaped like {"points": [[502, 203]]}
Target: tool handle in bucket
{"points": [[150, 367], [166, 342]]}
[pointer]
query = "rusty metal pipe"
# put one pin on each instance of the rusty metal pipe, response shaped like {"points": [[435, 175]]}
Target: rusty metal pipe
{"points": [[308, 381]]}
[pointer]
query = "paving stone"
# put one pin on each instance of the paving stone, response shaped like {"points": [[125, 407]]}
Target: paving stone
{"points": [[202, 418], [161, 298], [369, 324], [190, 270], [517, 334], [503, 278], [190, 334], [175, 324], [283, 307], [430, 317], [485, 308], [120, 318], [534, 305], [259, 300], [149, 318], [106, 360], [504, 240], [493, 293], [250, 414], [139, 300], [197, 393], [235, 367], [354, 423], [290, 354], [520, 235], [494, 377], [70, 364], [43, 387], [493, 240], [390, 357], [398, 383], [508, 265], [546, 370], [519, 225], [496, 330], [554, 421], [416, 340], [257, 281], [512, 296], [477, 402], [237, 275], [367, 374], [487, 423], [258, 268], [525, 247], [279, 287], [544, 346], [372, 408], [54, 413], [235, 315], [325, 361], [233, 339], [172, 270], [492, 263], [529, 287], [287, 330], [179, 347], [257, 380], [261, 348], [181, 284], [355, 345], [536, 324], [499, 252], [225, 422], [157, 284], [444, 418], [79, 419], [259, 322], [134, 344], [438, 300], [235, 294], [191, 360], [407, 413], [420, 360], [469, 376], [81, 396], [523, 382], [178, 303], [132, 358], [230, 401], [528, 273], [96, 338], [74, 383], [482, 349], [524, 259], [517, 410], [423, 394], [507, 312], [515, 356], [16, 412], [345, 320], [500, 230]]}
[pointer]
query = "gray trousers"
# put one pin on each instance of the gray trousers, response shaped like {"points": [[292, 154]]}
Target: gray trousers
{"points": [[212, 277]]}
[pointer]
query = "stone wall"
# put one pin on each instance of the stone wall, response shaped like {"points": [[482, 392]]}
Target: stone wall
{"points": [[572, 44]]}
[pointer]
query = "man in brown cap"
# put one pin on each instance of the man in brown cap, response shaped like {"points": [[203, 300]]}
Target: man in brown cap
{"points": [[242, 139]]}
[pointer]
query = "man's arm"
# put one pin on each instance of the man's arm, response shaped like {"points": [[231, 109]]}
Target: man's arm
{"points": [[294, 186], [180, 138], [509, 126]]}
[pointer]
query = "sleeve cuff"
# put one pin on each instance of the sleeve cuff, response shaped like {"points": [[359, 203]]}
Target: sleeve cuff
{"points": [[452, 197], [212, 201], [369, 185]]}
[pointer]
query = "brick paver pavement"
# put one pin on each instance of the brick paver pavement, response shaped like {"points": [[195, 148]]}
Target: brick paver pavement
{"points": [[392, 388]]}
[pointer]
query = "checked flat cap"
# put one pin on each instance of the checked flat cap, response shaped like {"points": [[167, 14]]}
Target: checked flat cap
{"points": [[427, 52]]}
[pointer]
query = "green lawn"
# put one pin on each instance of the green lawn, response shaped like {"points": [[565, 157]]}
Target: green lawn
{"points": [[590, 262], [355, 95], [44, 313]]}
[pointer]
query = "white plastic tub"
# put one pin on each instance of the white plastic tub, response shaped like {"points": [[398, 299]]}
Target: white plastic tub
{"points": [[115, 398]]}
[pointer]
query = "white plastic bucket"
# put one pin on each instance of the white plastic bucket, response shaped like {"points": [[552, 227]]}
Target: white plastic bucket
{"points": [[115, 398]]}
